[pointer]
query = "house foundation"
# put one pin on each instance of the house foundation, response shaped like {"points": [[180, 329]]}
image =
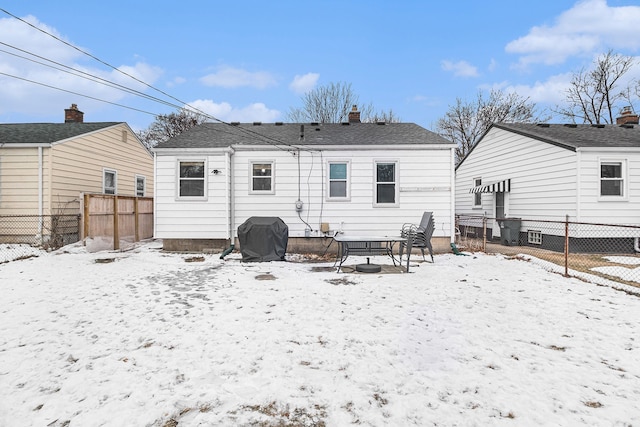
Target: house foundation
{"points": [[295, 245]]}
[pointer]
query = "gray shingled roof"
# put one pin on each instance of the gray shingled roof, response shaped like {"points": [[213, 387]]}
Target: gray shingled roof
{"points": [[578, 136], [215, 135], [38, 133]]}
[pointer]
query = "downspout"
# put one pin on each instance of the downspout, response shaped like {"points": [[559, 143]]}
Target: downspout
{"points": [[155, 194], [231, 198], [452, 195], [40, 194]]}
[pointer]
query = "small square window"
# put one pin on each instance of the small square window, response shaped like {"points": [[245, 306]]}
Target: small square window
{"points": [[534, 237]]}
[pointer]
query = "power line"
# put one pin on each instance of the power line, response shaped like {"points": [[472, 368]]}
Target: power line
{"points": [[76, 93], [267, 139], [82, 74]]}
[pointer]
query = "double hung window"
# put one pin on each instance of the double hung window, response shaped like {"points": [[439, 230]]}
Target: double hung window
{"points": [[109, 181], [338, 180], [386, 187], [477, 197], [140, 185], [191, 178], [612, 179], [262, 177]]}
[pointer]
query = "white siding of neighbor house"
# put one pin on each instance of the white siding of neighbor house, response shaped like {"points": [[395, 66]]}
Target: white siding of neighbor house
{"points": [[423, 179], [77, 165], [543, 177], [610, 210]]}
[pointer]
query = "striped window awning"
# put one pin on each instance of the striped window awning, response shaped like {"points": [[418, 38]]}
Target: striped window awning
{"points": [[503, 186]]}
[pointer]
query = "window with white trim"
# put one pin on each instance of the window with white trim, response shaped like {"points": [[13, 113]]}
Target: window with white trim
{"points": [[262, 177], [386, 183], [477, 197], [109, 181], [338, 180], [612, 178], [191, 181], [141, 185]]}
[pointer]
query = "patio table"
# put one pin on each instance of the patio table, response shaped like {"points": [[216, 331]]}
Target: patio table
{"points": [[370, 245]]}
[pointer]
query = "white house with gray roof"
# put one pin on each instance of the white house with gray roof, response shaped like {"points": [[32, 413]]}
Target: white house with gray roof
{"points": [[548, 171], [357, 178]]}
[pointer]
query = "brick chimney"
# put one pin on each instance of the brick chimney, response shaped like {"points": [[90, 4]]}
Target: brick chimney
{"points": [[354, 115], [627, 117], [73, 115]]}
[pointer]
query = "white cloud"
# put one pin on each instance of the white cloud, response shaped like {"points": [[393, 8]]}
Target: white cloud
{"points": [[551, 91], [176, 81], [304, 83], [256, 112], [589, 26], [460, 68], [26, 91], [229, 77]]}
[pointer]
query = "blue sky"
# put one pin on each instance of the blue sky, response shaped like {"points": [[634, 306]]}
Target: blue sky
{"points": [[253, 60]]}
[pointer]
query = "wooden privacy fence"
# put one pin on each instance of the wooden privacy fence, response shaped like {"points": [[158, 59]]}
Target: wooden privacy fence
{"points": [[116, 221]]}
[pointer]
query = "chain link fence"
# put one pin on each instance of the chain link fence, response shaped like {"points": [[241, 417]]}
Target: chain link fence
{"points": [[591, 251], [26, 235]]}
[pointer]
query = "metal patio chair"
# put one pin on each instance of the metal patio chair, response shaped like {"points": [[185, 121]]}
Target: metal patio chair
{"points": [[418, 236]]}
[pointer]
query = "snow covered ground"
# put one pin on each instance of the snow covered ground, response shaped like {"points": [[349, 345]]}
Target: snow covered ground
{"points": [[146, 338]]}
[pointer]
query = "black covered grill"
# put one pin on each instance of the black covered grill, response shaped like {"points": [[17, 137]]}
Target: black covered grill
{"points": [[263, 239]]}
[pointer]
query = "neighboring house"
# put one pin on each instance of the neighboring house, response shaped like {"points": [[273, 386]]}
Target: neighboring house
{"points": [[352, 177], [548, 171], [46, 167]]}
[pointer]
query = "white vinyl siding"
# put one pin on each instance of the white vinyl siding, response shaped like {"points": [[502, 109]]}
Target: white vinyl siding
{"points": [[200, 218], [595, 207], [550, 182], [543, 177], [418, 189], [305, 178]]}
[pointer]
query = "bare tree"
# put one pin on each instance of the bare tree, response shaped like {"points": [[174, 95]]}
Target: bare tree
{"points": [[595, 95], [383, 116], [466, 121], [332, 104], [166, 126]]}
